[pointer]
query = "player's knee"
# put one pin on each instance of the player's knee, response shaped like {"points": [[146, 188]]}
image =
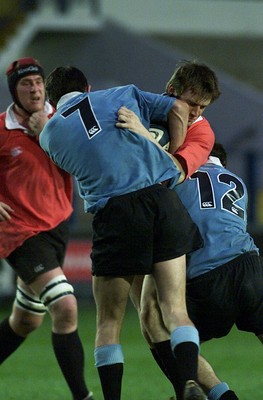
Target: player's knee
{"points": [[64, 311], [55, 290], [58, 297], [28, 312], [25, 323], [28, 302]]}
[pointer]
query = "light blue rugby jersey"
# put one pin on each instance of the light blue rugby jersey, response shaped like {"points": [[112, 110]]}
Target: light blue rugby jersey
{"points": [[107, 161], [217, 200]]}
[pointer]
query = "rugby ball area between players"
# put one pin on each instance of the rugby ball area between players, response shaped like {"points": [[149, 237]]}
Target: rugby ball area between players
{"points": [[160, 133]]}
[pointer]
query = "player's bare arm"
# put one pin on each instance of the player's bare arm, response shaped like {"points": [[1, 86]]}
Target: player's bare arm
{"points": [[5, 212], [178, 122], [129, 120]]}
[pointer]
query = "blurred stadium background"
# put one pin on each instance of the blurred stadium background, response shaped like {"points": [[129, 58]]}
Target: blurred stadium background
{"points": [[117, 42]]}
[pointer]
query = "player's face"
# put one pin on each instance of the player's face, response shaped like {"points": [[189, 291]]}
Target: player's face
{"points": [[30, 91], [196, 104]]}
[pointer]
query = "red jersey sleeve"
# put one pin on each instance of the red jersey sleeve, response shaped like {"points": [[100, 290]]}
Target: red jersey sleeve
{"points": [[197, 146]]}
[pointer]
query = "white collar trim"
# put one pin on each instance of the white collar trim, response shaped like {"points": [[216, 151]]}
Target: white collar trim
{"points": [[198, 119], [67, 97], [214, 160], [11, 120]]}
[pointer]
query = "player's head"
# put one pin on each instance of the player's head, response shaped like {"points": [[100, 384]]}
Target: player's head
{"points": [[194, 76], [25, 78], [219, 152], [64, 80], [194, 83]]}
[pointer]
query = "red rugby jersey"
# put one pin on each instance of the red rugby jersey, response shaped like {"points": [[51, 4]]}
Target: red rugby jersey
{"points": [[197, 146], [38, 191]]}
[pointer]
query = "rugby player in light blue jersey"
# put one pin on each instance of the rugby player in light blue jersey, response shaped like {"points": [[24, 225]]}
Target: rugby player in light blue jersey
{"points": [[217, 200], [120, 175], [224, 278]]}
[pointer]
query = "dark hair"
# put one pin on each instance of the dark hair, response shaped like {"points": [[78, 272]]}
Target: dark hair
{"points": [[197, 77], [20, 68], [219, 152], [64, 80]]}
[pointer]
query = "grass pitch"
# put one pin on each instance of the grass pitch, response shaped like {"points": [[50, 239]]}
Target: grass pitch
{"points": [[32, 372]]}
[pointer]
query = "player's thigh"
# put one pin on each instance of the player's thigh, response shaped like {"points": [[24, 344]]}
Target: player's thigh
{"points": [[41, 281], [40, 253], [149, 301], [211, 302], [170, 281], [136, 291], [148, 290]]}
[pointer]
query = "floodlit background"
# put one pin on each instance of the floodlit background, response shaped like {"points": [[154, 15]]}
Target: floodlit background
{"points": [[116, 42]]}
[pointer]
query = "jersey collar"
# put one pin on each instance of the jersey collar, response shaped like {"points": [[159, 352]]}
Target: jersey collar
{"points": [[11, 120], [67, 97], [214, 160]]}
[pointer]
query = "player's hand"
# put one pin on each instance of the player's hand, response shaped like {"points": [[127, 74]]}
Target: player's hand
{"points": [[129, 120], [36, 122], [5, 212]]}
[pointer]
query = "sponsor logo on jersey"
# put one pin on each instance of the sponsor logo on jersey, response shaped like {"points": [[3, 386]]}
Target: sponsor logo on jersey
{"points": [[207, 204], [93, 130], [16, 151], [234, 210]]}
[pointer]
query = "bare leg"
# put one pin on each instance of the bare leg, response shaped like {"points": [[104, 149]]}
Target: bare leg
{"points": [[158, 338], [21, 322], [136, 291], [206, 375], [57, 294], [170, 282], [111, 296]]}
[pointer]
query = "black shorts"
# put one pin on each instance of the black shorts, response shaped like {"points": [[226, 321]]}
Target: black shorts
{"points": [[136, 230], [228, 295], [40, 253]]}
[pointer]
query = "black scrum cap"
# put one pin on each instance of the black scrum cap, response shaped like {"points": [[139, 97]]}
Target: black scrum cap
{"points": [[20, 68]]}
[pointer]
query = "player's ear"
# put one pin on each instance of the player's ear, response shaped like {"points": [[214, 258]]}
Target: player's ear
{"points": [[88, 88], [170, 89]]}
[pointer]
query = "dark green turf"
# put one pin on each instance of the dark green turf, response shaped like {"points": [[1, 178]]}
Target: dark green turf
{"points": [[32, 373]]}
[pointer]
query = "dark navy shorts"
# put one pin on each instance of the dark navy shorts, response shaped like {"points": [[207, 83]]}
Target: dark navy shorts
{"points": [[40, 253], [138, 229], [228, 295]]}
